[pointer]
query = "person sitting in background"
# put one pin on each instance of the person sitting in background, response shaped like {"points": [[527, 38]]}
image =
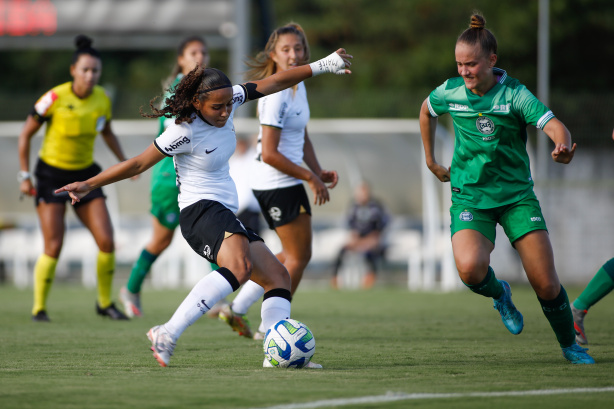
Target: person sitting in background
{"points": [[367, 219]]}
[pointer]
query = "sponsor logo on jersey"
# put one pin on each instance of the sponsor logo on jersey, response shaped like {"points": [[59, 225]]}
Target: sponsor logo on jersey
{"points": [[456, 190], [207, 151], [275, 213], [177, 143], [501, 108], [44, 103], [536, 219], [485, 125], [238, 97], [465, 216], [458, 107]]}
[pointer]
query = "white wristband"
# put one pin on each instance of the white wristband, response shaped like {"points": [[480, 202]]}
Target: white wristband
{"points": [[333, 64]]}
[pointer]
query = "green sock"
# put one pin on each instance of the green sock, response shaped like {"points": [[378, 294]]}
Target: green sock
{"points": [[599, 286], [558, 314], [140, 270], [489, 287]]}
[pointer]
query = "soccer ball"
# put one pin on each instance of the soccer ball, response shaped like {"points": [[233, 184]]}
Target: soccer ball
{"points": [[289, 344]]}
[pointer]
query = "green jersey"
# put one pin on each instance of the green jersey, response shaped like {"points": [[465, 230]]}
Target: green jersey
{"points": [[490, 166], [163, 173]]}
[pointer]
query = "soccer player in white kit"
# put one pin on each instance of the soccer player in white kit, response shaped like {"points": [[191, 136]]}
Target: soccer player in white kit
{"points": [[201, 141], [276, 175]]}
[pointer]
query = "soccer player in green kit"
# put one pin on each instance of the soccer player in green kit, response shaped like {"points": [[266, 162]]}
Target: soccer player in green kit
{"points": [[491, 181]]}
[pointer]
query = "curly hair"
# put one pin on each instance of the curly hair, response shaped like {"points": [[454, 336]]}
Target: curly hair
{"points": [[196, 84]]}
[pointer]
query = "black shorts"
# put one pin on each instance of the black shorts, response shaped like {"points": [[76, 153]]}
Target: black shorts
{"points": [[49, 178], [206, 223], [281, 206]]}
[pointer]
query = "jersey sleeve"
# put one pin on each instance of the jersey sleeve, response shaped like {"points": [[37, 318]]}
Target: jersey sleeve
{"points": [[437, 102], [531, 109], [44, 107], [239, 95], [174, 140], [273, 109]]}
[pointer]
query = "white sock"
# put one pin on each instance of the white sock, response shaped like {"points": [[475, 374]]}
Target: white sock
{"points": [[209, 290], [248, 295], [273, 310]]}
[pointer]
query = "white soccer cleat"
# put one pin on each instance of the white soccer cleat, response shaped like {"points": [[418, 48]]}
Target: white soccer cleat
{"points": [[131, 303], [162, 344], [267, 364], [313, 365]]}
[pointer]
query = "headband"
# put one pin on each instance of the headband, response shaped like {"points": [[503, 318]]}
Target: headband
{"points": [[215, 88]]}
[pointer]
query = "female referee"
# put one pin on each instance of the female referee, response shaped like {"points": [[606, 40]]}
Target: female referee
{"points": [[75, 113], [192, 51], [277, 175], [491, 181], [201, 141]]}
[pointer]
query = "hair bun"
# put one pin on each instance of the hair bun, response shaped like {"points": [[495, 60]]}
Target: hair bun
{"points": [[83, 41], [477, 21]]}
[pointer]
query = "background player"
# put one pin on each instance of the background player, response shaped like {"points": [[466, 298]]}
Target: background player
{"points": [[75, 112]]}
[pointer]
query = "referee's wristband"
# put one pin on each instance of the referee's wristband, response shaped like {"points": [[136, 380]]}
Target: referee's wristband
{"points": [[333, 64], [23, 175]]}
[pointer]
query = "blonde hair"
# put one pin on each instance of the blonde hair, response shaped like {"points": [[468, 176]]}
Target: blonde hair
{"points": [[262, 65]]}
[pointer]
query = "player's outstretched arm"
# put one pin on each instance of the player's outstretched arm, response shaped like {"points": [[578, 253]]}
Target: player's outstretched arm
{"points": [[336, 63], [120, 171]]}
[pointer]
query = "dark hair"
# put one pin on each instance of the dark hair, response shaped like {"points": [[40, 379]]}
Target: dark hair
{"points": [[196, 84], [84, 46], [477, 34]]}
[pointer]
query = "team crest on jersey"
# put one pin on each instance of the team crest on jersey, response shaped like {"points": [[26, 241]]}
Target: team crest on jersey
{"points": [[466, 216], [485, 125], [275, 213]]}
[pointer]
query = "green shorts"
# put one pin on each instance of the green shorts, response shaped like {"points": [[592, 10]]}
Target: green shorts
{"points": [[517, 219], [164, 206]]}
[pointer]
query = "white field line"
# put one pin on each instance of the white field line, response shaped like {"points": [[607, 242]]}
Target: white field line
{"points": [[394, 396]]}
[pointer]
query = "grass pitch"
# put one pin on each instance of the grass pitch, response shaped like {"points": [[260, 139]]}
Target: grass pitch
{"points": [[372, 344]]}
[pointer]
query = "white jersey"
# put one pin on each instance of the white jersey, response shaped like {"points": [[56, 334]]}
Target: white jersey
{"points": [[288, 111], [200, 152]]}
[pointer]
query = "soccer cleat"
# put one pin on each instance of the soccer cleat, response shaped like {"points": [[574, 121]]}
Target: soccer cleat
{"points": [[313, 365], [259, 336], [238, 322], [578, 325], [267, 364], [41, 316], [162, 344], [112, 312], [577, 355], [131, 303], [511, 317]]}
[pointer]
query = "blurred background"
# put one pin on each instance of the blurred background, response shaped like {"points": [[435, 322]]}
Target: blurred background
{"points": [[363, 125]]}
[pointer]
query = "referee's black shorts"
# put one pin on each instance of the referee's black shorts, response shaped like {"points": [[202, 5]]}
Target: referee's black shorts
{"points": [[49, 178]]}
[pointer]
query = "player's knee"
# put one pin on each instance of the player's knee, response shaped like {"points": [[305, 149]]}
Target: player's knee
{"points": [[242, 270], [471, 270]]}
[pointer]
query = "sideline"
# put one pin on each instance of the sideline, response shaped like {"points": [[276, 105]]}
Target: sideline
{"points": [[395, 396]]}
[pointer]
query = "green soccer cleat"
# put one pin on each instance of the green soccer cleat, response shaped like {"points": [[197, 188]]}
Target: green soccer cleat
{"points": [[511, 317], [238, 322], [577, 355]]}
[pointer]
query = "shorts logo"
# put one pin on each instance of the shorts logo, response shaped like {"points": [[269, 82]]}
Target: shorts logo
{"points": [[485, 125], [466, 216], [275, 213], [207, 252], [536, 219]]}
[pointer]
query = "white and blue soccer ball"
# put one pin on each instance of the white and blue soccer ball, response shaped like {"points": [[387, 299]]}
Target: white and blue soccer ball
{"points": [[289, 344]]}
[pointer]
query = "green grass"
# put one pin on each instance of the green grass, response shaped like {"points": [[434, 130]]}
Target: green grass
{"points": [[370, 343]]}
